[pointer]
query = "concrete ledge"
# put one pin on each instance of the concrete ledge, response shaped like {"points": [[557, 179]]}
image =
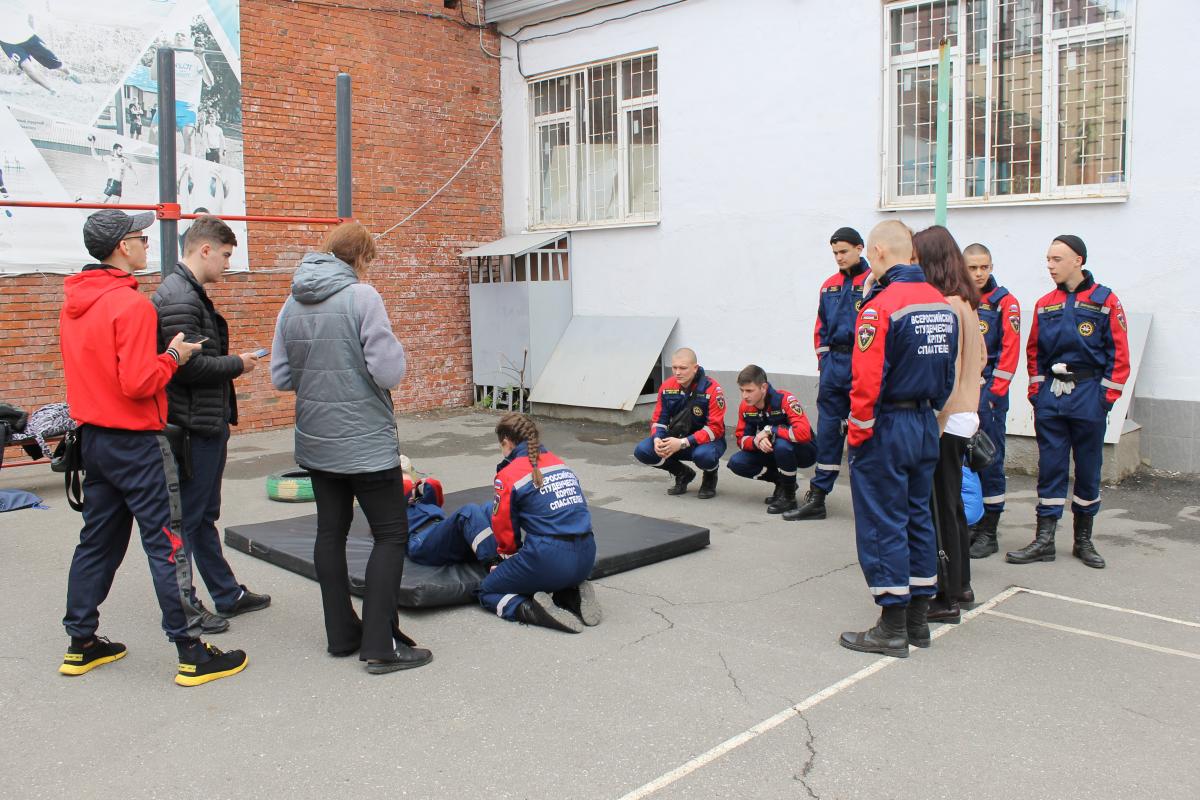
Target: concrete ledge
{"points": [[1120, 460], [639, 415]]}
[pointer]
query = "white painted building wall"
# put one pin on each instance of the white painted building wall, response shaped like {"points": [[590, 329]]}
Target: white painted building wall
{"points": [[771, 117]]}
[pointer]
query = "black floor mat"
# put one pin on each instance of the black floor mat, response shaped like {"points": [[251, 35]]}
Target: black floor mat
{"points": [[624, 541]]}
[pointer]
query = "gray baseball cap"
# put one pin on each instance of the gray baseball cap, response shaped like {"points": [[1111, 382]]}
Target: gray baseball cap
{"points": [[105, 229]]}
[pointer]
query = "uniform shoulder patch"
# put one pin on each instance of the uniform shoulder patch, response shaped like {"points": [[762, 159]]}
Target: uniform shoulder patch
{"points": [[1014, 322], [870, 314], [794, 404], [720, 401], [1121, 318], [866, 335]]}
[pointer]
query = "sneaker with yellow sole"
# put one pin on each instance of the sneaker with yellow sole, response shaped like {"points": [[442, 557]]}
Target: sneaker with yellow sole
{"points": [[80, 659], [205, 663]]}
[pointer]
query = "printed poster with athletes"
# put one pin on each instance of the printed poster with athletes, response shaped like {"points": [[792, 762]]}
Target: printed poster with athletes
{"points": [[79, 118]]}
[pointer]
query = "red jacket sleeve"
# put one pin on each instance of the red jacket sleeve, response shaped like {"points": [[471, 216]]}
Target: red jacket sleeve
{"points": [[658, 428], [1031, 357], [866, 375], [502, 519], [1010, 346], [715, 426], [1117, 371], [744, 442], [142, 372], [798, 429]]}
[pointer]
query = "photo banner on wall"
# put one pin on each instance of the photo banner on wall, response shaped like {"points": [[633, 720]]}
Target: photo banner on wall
{"points": [[79, 118]]}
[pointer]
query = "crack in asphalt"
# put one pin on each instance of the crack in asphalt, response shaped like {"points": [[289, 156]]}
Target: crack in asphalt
{"points": [[733, 678], [812, 757]]}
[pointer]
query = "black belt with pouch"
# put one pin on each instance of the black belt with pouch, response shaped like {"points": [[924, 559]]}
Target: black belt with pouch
{"points": [[180, 440]]}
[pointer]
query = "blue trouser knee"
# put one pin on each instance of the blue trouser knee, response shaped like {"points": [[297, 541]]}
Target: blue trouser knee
{"points": [[1058, 438], [993, 422], [705, 456], [201, 497], [130, 476], [785, 458], [833, 407], [466, 535], [543, 564], [891, 484]]}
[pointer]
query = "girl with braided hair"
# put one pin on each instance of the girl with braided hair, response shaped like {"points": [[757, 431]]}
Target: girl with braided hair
{"points": [[543, 529]]}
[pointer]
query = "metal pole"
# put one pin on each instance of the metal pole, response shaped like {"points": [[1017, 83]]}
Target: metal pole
{"points": [[940, 176], [343, 146], [168, 229]]}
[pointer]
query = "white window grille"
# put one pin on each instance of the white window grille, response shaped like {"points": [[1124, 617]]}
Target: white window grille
{"points": [[595, 144], [1040, 99]]}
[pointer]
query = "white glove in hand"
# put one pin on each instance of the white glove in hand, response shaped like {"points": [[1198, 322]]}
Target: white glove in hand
{"points": [[1059, 369]]}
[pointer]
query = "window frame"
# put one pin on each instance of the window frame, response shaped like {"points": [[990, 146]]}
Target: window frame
{"points": [[1053, 40], [579, 194]]}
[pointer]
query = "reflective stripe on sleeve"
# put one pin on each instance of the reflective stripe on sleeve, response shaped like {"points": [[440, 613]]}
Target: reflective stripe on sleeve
{"points": [[1037, 379], [858, 423], [1107, 384], [999, 373]]}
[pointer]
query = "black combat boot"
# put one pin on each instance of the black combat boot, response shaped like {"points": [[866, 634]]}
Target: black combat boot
{"points": [[813, 507], [1084, 550], [787, 495], [917, 622], [683, 476], [1042, 546], [983, 536], [889, 637], [708, 485]]}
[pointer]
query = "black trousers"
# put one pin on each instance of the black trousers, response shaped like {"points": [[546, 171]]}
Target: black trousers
{"points": [[380, 495], [950, 518]]}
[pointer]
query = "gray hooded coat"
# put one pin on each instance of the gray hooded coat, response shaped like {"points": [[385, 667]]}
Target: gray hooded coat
{"points": [[334, 348]]}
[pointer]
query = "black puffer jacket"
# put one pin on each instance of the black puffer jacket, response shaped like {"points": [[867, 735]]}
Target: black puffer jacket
{"points": [[200, 397]]}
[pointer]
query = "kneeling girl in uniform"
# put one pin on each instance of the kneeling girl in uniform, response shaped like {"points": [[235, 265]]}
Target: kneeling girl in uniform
{"points": [[543, 533]]}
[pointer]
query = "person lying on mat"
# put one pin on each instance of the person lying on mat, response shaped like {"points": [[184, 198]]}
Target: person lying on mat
{"points": [[435, 539], [543, 536]]}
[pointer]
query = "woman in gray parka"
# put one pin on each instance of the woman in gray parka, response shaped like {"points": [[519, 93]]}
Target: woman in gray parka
{"points": [[335, 349]]}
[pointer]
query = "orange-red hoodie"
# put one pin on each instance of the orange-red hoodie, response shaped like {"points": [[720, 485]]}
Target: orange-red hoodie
{"points": [[116, 377]]}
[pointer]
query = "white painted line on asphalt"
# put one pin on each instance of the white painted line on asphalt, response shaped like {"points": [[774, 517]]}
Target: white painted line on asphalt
{"points": [[791, 712], [1107, 607], [1095, 635]]}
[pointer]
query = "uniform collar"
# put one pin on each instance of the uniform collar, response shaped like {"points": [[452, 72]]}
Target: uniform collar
{"points": [[990, 286], [857, 269], [1087, 283]]}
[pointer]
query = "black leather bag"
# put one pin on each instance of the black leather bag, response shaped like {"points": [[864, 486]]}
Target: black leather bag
{"points": [[68, 459], [680, 424], [981, 451]]}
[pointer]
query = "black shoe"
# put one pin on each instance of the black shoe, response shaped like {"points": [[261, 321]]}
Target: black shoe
{"points": [[966, 596], [204, 663], [984, 541], [813, 507], [80, 659], [708, 485], [1042, 546], [787, 497], [770, 476], [210, 622], [540, 610], [1084, 550], [405, 657], [581, 601], [889, 637], [941, 611], [917, 622], [249, 601], [683, 476]]}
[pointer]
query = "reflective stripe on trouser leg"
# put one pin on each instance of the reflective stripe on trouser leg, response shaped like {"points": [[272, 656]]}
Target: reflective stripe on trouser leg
{"points": [[991, 480], [543, 564], [1087, 443], [1054, 454], [832, 409], [706, 456]]}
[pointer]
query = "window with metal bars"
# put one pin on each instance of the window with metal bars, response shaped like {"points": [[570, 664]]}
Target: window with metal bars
{"points": [[595, 144], [1040, 97]]}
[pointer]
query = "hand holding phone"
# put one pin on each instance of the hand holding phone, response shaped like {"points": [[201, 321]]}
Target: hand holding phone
{"points": [[261, 352], [195, 338]]}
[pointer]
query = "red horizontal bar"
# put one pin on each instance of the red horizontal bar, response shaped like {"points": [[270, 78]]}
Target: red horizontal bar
{"points": [[171, 211]]}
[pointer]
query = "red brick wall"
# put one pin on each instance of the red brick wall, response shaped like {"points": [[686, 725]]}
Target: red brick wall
{"points": [[424, 97]]}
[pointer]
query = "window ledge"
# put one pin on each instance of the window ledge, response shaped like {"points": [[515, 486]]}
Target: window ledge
{"points": [[923, 205], [596, 226]]}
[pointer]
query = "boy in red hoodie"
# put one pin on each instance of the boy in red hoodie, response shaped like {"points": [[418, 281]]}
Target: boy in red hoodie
{"points": [[116, 390]]}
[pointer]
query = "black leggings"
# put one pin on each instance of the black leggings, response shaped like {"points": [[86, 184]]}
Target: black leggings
{"points": [[381, 497], [949, 516]]}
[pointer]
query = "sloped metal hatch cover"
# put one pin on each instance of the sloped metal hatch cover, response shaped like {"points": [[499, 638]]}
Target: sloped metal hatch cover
{"points": [[603, 362]]}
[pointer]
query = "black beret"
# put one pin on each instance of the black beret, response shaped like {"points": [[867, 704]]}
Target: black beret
{"points": [[1075, 243], [848, 235]]}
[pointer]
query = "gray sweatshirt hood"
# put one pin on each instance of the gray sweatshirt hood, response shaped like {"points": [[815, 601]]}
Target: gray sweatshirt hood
{"points": [[319, 277]]}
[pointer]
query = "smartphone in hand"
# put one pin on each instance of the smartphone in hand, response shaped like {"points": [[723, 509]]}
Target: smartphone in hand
{"points": [[195, 338], [261, 352]]}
